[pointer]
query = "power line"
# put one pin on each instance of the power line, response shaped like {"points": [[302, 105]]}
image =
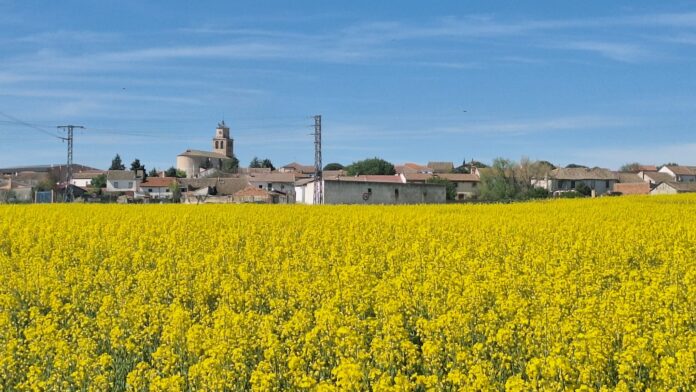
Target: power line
{"points": [[318, 177], [37, 128], [68, 195]]}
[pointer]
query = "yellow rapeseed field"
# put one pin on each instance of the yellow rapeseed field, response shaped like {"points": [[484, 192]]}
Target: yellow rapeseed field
{"points": [[559, 295]]}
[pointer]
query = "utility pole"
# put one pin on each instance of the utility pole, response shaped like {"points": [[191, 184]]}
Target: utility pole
{"points": [[68, 195], [318, 176]]}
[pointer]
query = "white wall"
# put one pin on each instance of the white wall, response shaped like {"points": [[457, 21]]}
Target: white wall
{"points": [[121, 185]]}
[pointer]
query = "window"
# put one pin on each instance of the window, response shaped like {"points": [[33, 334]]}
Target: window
{"points": [[607, 184], [369, 190], [396, 193], [149, 189], [260, 186], [572, 184], [473, 185], [130, 184]]}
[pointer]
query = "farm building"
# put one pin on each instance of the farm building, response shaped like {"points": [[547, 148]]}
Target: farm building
{"points": [[371, 190], [599, 180], [673, 187], [680, 173]]}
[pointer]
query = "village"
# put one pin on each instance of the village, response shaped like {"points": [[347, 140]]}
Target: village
{"points": [[202, 177]]}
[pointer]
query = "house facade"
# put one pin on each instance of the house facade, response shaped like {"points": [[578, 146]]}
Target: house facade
{"points": [[368, 190], [673, 188], [601, 181], [680, 173], [121, 181], [158, 187], [282, 183]]}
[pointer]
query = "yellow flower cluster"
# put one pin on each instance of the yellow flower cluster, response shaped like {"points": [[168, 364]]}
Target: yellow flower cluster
{"points": [[557, 295]]}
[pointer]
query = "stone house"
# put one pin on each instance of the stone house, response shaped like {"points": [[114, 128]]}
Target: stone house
{"points": [[673, 187]]}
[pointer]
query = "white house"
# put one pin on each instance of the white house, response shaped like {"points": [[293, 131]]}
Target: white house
{"points": [[278, 182], [566, 179], [121, 181], [654, 178], [680, 173], [369, 189], [84, 179], [467, 185], [157, 187], [673, 187]]}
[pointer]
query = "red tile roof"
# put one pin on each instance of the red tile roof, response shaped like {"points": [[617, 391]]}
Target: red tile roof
{"points": [[632, 188], [252, 191]]}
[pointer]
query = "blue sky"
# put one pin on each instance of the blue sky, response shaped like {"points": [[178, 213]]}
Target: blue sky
{"points": [[594, 82]]}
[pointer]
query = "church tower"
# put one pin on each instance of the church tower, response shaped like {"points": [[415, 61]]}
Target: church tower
{"points": [[222, 142]]}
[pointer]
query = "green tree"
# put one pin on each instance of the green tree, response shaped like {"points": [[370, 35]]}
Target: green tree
{"points": [[255, 163], [136, 166], [267, 164], [117, 164], [99, 182], [153, 172], [334, 166], [450, 187], [583, 189], [500, 183], [630, 167], [576, 166], [174, 172], [371, 166], [230, 165], [176, 191]]}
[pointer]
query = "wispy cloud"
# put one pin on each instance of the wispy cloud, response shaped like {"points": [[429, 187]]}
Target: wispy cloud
{"points": [[625, 52]]}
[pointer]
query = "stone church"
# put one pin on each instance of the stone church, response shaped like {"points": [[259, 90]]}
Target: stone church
{"points": [[196, 162]]}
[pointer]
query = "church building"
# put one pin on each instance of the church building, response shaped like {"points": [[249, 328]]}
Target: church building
{"points": [[195, 162]]}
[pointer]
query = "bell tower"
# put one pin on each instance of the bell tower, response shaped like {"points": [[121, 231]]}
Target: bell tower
{"points": [[222, 142]]}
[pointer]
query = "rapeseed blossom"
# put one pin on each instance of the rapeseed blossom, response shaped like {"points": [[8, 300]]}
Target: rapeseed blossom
{"points": [[555, 295]]}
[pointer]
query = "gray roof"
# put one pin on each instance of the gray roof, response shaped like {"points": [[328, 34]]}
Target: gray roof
{"points": [[581, 173], [441, 167], [658, 177], [120, 175], [681, 186], [203, 154], [272, 177], [625, 177], [87, 175], [221, 186]]}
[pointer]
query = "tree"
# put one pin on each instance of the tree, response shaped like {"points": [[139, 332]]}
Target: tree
{"points": [[99, 181], [175, 191], [500, 182], [153, 172], [630, 167], [117, 164], [450, 187], [267, 164], [334, 166], [371, 166], [174, 172], [230, 165], [669, 164], [583, 189], [255, 163], [136, 166], [576, 166], [463, 168], [547, 163]]}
